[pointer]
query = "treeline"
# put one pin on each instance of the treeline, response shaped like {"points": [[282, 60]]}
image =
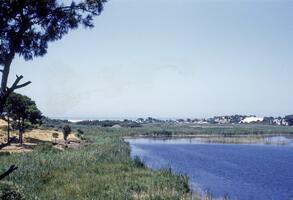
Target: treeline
{"points": [[54, 123], [110, 123]]}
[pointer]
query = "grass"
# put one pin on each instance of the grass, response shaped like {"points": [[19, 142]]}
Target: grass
{"points": [[241, 139], [222, 130], [102, 170]]}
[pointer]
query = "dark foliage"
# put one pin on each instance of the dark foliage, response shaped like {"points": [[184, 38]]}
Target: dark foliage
{"points": [[138, 162], [23, 111], [161, 133], [289, 119], [10, 191], [109, 123], [66, 131], [54, 123], [81, 132], [26, 27]]}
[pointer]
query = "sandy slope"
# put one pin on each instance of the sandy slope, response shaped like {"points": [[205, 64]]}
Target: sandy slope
{"points": [[31, 138]]}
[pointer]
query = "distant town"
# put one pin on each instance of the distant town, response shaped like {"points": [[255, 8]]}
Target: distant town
{"points": [[227, 119]]}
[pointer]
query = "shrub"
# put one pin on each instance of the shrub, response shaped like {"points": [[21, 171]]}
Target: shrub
{"points": [[138, 162], [66, 131], [10, 191], [55, 136], [80, 132], [162, 133]]}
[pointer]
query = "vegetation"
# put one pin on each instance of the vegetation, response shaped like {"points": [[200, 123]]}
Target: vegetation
{"points": [[10, 191], [26, 27], [110, 123], [66, 131], [218, 130], [289, 119], [102, 170], [22, 110]]}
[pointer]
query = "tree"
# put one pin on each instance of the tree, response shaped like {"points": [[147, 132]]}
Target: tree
{"points": [[26, 27], [268, 120], [289, 119], [22, 109], [66, 131]]}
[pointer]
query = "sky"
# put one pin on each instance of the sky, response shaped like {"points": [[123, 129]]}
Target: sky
{"points": [[169, 59]]}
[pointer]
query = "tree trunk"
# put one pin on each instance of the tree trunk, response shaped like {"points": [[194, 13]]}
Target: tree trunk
{"points": [[3, 97], [19, 131], [5, 73], [22, 130], [8, 129]]}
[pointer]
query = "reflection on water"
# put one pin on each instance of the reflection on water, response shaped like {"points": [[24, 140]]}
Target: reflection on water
{"points": [[242, 171]]}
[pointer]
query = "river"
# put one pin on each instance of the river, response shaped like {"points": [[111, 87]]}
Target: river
{"points": [[241, 171]]}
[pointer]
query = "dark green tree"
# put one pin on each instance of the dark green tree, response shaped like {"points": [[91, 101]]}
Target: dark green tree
{"points": [[26, 27], [66, 131], [289, 119], [22, 109]]}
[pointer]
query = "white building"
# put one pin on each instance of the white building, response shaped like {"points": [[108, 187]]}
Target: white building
{"points": [[252, 119]]}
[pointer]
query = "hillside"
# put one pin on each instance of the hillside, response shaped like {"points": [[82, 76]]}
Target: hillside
{"points": [[32, 138]]}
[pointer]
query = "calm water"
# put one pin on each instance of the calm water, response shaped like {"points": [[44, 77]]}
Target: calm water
{"points": [[241, 171]]}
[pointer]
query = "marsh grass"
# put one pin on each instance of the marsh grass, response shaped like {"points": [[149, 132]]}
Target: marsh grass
{"points": [[101, 170], [242, 139], [221, 129]]}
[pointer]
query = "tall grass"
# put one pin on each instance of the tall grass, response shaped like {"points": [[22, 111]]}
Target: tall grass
{"points": [[102, 170]]}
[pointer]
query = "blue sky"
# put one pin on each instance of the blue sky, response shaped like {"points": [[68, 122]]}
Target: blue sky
{"points": [[170, 59]]}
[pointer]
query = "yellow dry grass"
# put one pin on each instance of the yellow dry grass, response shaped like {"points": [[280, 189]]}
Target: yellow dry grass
{"points": [[3, 127], [30, 138], [47, 135]]}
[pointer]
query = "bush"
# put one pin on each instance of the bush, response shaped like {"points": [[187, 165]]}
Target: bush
{"points": [[66, 131], [10, 191], [80, 132], [138, 162], [162, 133]]}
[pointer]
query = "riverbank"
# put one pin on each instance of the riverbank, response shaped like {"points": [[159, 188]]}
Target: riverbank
{"points": [[101, 170]]}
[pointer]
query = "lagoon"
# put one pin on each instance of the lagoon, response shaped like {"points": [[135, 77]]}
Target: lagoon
{"points": [[241, 171]]}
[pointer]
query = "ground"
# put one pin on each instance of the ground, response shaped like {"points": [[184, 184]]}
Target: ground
{"points": [[33, 137]]}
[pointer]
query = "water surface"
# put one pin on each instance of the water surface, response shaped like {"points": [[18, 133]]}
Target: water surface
{"points": [[243, 172]]}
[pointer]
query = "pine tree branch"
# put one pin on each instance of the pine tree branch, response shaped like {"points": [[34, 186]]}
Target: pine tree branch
{"points": [[9, 171], [15, 85]]}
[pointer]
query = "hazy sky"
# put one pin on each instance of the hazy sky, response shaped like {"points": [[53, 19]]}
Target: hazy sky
{"points": [[170, 58]]}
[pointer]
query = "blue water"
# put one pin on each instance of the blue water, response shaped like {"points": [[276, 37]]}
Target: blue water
{"points": [[253, 172]]}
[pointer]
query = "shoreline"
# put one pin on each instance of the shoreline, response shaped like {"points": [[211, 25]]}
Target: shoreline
{"points": [[267, 139]]}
